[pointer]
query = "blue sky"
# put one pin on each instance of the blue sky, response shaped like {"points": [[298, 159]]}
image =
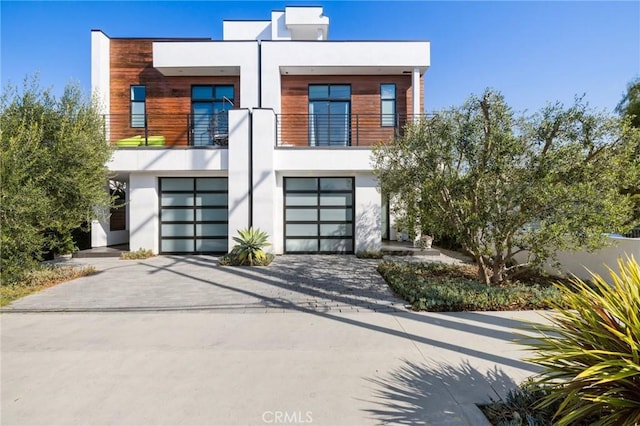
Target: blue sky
{"points": [[533, 52]]}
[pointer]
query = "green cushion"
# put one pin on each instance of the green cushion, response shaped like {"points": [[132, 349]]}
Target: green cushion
{"points": [[155, 141], [132, 141]]}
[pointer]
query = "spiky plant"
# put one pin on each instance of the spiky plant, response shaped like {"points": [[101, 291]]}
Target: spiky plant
{"points": [[590, 350], [250, 245]]}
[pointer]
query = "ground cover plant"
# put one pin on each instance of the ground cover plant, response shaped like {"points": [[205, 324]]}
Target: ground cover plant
{"points": [[136, 255], [441, 287], [40, 278], [369, 254]]}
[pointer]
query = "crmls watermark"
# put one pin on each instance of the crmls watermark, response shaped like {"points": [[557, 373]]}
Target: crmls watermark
{"points": [[287, 417]]}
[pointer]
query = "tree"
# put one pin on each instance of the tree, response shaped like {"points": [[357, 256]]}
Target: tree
{"points": [[53, 171], [629, 106], [629, 109], [502, 184]]}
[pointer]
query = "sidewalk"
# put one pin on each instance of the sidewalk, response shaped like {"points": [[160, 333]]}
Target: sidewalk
{"points": [[207, 368]]}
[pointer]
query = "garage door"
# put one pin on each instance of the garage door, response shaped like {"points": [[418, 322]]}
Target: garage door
{"points": [[193, 215], [318, 214]]}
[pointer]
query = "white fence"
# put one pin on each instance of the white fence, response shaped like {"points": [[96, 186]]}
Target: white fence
{"points": [[579, 263]]}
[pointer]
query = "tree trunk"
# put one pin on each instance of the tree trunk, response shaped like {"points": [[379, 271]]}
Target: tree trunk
{"points": [[498, 269], [483, 270]]}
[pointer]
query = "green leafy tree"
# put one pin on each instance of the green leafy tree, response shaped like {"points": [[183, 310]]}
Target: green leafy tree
{"points": [[52, 172], [629, 106], [629, 109], [502, 184]]}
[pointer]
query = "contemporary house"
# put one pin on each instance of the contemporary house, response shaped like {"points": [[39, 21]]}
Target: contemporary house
{"points": [[270, 127]]}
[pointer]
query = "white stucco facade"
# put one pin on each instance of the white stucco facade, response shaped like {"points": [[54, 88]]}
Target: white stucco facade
{"points": [[260, 53]]}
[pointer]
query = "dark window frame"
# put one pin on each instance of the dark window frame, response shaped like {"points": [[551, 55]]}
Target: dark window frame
{"points": [[213, 101], [318, 207], [195, 207], [394, 102], [134, 119], [329, 99]]}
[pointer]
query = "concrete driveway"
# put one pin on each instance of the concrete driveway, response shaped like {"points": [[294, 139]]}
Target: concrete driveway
{"points": [[282, 345], [318, 283]]}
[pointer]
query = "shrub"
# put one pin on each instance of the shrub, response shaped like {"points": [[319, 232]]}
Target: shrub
{"points": [[590, 353], [136, 255], [40, 278], [443, 288], [519, 407], [369, 254], [249, 249]]}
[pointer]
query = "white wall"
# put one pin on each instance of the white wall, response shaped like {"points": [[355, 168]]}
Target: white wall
{"points": [[212, 58], [264, 178], [368, 213], [326, 57], [246, 30], [320, 159], [239, 128], [169, 159], [143, 217], [100, 69], [579, 263]]}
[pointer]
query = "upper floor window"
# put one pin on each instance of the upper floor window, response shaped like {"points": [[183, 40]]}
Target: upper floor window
{"points": [[138, 108], [209, 106], [388, 105], [329, 114]]}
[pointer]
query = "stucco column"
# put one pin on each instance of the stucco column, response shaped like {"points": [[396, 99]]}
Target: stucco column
{"points": [[239, 128], [415, 86], [264, 177]]}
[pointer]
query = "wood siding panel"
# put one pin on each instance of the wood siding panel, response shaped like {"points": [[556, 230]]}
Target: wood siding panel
{"points": [[365, 106], [168, 98]]}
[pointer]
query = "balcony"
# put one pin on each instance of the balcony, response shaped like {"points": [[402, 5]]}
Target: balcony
{"points": [[338, 130], [167, 130]]}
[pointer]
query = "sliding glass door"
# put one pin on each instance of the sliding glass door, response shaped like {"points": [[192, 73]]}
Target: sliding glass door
{"points": [[329, 115]]}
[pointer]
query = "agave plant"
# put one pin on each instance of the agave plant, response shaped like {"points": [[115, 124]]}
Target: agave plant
{"points": [[590, 350], [250, 245]]}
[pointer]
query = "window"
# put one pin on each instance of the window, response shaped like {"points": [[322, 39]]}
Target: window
{"points": [[138, 109], [388, 105], [329, 114], [209, 106]]}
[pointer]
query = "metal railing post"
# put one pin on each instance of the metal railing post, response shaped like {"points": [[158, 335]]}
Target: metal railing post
{"points": [[357, 130], [146, 130]]}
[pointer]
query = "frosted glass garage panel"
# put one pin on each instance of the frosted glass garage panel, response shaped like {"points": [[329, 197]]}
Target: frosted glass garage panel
{"points": [[336, 184], [306, 230], [177, 215], [301, 200], [306, 215], [336, 199], [208, 246], [211, 200], [211, 230], [185, 246], [177, 230], [336, 245], [177, 184], [302, 184], [176, 200], [204, 214], [335, 229], [336, 215], [211, 184], [301, 245]]}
